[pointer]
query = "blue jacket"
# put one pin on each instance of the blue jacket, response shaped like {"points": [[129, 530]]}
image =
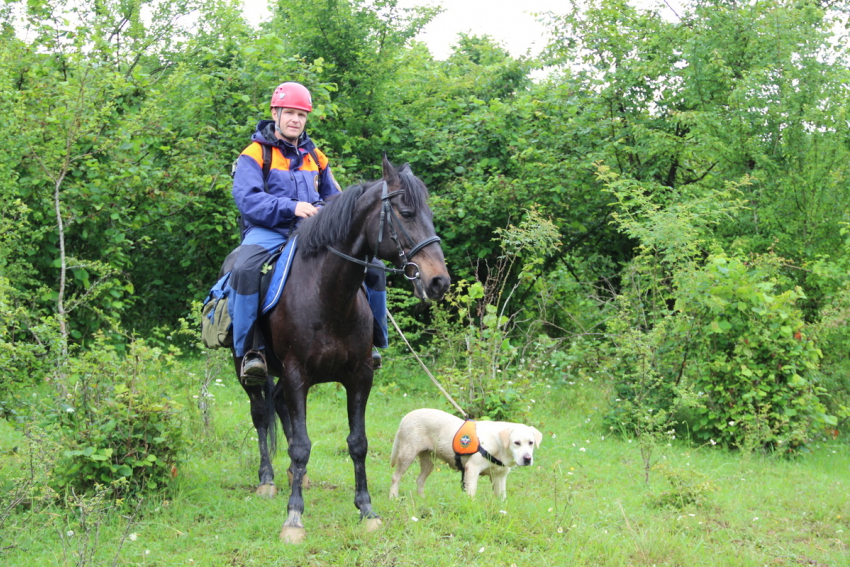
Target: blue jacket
{"points": [[293, 177]]}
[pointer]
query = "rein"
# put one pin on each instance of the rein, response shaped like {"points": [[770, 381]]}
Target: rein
{"points": [[410, 270]]}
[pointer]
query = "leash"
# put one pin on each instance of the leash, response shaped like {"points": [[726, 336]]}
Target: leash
{"points": [[431, 376]]}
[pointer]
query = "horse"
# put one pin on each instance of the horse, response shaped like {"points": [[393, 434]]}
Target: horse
{"points": [[321, 328]]}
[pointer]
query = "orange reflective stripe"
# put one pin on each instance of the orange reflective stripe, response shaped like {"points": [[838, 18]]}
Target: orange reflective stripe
{"points": [[465, 441], [255, 150]]}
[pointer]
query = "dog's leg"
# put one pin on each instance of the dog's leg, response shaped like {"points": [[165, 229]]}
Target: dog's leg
{"points": [[470, 476], [402, 464], [426, 465], [499, 479]]}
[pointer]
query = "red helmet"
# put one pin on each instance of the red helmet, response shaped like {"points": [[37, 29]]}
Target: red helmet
{"points": [[292, 95]]}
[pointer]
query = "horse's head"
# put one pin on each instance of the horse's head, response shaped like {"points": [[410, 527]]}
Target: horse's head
{"points": [[404, 232]]}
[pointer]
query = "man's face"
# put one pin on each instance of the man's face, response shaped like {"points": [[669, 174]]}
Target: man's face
{"points": [[291, 122]]}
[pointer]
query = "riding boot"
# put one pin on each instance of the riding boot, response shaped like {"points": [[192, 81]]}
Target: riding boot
{"points": [[376, 359], [254, 368]]}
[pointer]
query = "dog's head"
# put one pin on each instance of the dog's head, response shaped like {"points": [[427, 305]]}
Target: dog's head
{"points": [[520, 441]]}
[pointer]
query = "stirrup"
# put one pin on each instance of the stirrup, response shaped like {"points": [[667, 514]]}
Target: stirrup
{"points": [[254, 370], [376, 359]]}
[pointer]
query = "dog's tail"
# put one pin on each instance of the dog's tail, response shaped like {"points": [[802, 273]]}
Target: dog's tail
{"points": [[394, 454]]}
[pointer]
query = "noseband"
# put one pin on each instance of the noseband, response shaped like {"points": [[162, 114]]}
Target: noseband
{"points": [[409, 269]]}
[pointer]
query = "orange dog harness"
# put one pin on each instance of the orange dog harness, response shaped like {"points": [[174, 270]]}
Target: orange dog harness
{"points": [[466, 442], [466, 439]]}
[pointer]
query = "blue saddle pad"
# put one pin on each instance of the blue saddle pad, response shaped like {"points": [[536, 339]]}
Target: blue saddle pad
{"points": [[281, 271]]}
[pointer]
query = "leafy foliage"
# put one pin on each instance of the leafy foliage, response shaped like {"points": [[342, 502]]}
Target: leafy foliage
{"points": [[481, 345], [116, 424], [755, 362]]}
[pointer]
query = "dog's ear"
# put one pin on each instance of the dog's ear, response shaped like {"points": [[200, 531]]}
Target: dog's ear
{"points": [[538, 437], [505, 436]]}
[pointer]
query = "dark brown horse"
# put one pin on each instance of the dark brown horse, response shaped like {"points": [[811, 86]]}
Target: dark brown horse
{"points": [[321, 329]]}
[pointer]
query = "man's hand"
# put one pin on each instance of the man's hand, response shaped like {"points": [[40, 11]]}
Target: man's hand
{"points": [[304, 209]]}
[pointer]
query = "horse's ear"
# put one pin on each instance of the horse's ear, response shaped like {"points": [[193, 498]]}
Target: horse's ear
{"points": [[390, 173], [405, 168]]}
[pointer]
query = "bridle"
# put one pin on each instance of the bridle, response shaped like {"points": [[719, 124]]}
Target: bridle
{"points": [[409, 269]]}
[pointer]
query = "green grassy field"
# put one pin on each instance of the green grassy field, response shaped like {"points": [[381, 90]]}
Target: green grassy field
{"points": [[584, 502]]}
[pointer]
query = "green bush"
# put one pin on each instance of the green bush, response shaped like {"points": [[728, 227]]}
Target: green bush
{"points": [[118, 421], [688, 487], [752, 361]]}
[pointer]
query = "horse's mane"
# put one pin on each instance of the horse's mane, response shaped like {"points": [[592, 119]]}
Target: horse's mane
{"points": [[333, 222]]}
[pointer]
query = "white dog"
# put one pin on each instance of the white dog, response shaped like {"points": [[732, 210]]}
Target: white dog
{"points": [[426, 432]]}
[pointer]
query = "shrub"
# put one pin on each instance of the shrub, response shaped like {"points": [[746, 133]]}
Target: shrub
{"points": [[477, 324], [116, 422], [753, 362], [688, 487]]}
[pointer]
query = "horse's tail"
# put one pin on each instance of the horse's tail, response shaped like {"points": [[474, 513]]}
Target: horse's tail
{"points": [[271, 415]]}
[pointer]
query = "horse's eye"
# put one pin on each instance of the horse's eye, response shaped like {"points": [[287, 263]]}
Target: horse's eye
{"points": [[408, 214]]}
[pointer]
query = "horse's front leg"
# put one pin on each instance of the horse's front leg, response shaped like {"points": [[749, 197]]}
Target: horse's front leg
{"points": [[358, 446], [283, 414], [299, 455], [263, 424]]}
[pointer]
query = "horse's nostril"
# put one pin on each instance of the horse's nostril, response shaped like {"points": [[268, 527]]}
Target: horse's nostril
{"points": [[439, 286]]}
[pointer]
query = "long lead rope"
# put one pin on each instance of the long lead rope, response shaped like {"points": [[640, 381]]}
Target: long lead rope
{"points": [[431, 376]]}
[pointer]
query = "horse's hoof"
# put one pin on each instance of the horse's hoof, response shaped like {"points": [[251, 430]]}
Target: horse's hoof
{"points": [[268, 490], [372, 525], [292, 535]]}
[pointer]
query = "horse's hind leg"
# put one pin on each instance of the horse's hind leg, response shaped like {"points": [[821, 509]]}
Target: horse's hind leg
{"points": [[262, 419], [358, 446]]}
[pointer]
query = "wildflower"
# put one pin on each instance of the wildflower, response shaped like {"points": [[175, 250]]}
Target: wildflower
{"points": [[582, 449], [712, 441], [550, 509], [481, 550], [69, 410], [69, 533], [133, 536], [754, 519], [503, 512], [147, 552], [414, 519], [560, 530], [731, 424]]}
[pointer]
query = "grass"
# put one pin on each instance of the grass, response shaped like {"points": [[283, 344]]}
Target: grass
{"points": [[583, 503]]}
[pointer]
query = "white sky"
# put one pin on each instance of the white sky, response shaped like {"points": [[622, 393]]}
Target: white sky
{"points": [[510, 22]]}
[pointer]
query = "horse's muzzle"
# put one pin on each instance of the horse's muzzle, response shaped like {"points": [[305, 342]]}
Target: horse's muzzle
{"points": [[437, 287]]}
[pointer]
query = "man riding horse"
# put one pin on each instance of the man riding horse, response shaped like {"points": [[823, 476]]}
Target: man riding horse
{"points": [[272, 197]]}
